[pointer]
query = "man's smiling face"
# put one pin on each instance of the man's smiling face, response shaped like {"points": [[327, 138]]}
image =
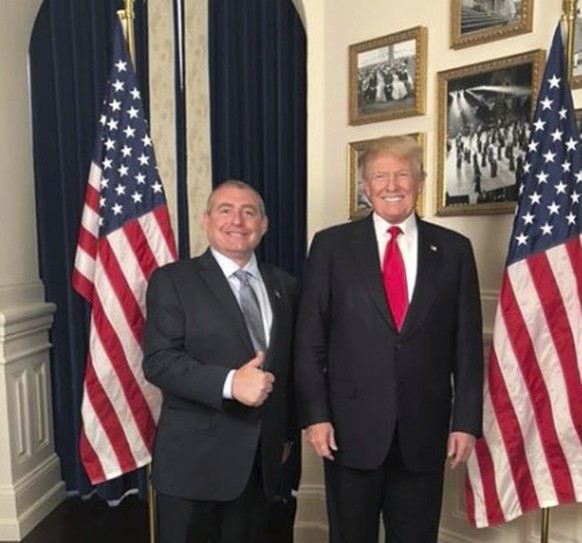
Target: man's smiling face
{"points": [[234, 223], [392, 185]]}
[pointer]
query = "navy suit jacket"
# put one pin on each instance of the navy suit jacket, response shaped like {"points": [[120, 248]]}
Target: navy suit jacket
{"points": [[194, 335], [355, 370]]}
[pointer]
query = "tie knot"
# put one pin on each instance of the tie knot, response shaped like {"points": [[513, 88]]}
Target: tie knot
{"points": [[242, 276], [394, 231]]}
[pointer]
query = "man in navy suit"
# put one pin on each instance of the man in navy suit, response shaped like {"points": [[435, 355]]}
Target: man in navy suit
{"points": [[385, 396], [225, 421]]}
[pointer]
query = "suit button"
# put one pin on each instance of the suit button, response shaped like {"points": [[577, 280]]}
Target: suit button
{"points": [[398, 346]]}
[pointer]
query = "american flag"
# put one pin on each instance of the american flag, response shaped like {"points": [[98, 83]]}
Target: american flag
{"points": [[530, 455], [125, 234]]}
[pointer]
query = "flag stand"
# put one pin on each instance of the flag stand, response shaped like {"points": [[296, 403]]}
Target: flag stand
{"points": [[126, 16]]}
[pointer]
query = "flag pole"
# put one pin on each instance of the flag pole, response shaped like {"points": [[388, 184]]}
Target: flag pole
{"points": [[569, 17], [127, 15], [152, 511], [545, 524]]}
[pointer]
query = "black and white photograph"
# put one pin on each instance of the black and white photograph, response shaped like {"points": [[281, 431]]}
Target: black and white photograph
{"points": [[484, 122], [387, 77], [480, 21], [359, 203]]}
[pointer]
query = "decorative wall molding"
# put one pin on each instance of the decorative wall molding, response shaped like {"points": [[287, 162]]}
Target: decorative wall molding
{"points": [[30, 477], [21, 294], [311, 519], [30, 500]]}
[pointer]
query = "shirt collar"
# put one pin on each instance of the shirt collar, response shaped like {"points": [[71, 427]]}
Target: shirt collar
{"points": [[229, 266], [408, 226]]}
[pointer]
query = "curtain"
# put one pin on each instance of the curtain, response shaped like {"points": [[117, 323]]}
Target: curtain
{"points": [[69, 60], [257, 56], [258, 117]]}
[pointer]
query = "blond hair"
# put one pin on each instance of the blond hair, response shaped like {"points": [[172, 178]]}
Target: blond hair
{"points": [[403, 147]]}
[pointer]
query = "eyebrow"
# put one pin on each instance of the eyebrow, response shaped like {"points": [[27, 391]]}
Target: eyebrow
{"points": [[228, 205]]}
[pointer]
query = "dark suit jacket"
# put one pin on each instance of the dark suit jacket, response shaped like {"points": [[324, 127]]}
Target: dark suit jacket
{"points": [[354, 369], [195, 333]]}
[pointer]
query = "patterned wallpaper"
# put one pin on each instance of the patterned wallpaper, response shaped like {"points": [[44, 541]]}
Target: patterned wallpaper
{"points": [[198, 118], [162, 107]]}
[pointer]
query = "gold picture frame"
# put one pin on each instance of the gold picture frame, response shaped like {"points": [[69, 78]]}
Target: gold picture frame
{"points": [[358, 203], [484, 114], [483, 22], [577, 52], [387, 77]]}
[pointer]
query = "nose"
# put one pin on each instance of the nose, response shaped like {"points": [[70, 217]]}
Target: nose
{"points": [[390, 183], [237, 217]]}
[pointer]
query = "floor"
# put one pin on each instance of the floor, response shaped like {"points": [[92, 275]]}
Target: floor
{"points": [[93, 521]]}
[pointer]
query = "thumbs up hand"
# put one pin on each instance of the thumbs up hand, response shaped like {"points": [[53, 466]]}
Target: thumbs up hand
{"points": [[251, 385]]}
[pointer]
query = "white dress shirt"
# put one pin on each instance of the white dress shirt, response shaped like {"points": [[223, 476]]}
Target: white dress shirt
{"points": [[228, 267]]}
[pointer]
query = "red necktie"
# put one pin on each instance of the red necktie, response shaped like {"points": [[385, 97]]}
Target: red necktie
{"points": [[394, 275]]}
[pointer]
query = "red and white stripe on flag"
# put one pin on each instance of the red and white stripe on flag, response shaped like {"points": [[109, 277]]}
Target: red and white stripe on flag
{"points": [[120, 408], [531, 453], [125, 235]]}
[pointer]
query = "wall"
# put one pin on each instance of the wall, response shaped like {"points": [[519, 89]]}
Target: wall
{"points": [[162, 108], [30, 485], [333, 25]]}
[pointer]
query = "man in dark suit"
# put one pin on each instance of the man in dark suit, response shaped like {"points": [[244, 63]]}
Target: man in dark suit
{"points": [[225, 420], [379, 372]]}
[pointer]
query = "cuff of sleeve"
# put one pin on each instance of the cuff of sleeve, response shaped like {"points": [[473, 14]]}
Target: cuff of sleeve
{"points": [[227, 387]]}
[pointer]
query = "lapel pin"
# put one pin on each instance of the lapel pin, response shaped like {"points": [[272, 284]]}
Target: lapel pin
{"points": [[433, 248], [277, 295]]}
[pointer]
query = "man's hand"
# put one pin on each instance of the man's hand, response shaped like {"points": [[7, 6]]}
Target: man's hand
{"points": [[250, 384], [321, 437], [459, 448]]}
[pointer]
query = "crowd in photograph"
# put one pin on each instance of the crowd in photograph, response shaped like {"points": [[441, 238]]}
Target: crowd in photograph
{"points": [[495, 152], [385, 82]]}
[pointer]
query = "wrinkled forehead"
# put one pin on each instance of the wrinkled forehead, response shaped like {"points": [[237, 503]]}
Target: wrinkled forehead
{"points": [[231, 196], [385, 161]]}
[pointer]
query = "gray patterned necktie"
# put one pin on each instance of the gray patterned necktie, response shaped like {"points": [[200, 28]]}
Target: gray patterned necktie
{"points": [[251, 309]]}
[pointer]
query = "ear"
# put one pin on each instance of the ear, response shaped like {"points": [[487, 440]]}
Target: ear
{"points": [[205, 220], [265, 226], [366, 188]]}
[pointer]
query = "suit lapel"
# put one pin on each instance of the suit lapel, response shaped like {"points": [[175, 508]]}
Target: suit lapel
{"points": [[219, 286], [276, 300], [365, 249], [427, 278]]}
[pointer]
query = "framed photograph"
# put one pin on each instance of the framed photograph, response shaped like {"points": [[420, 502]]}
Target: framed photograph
{"points": [[387, 77], [577, 53], [480, 21], [484, 116], [359, 205]]}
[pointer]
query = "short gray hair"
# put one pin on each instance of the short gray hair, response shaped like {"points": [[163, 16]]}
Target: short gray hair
{"points": [[236, 183]]}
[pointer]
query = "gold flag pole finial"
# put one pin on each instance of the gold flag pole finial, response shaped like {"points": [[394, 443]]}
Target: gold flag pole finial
{"points": [[127, 16], [569, 17]]}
